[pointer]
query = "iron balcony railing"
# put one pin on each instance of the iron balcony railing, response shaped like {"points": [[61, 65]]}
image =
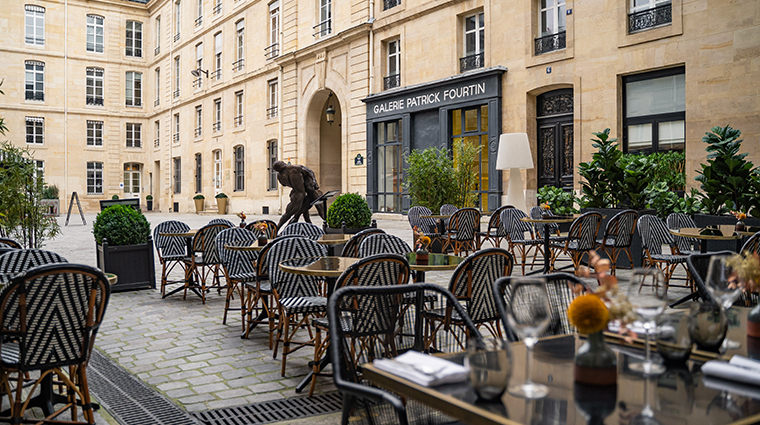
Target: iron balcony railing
{"points": [[471, 62], [272, 51], [550, 43], [392, 81], [176, 93], [35, 95], [175, 138], [198, 83], [176, 36], [650, 18], [238, 120], [199, 21], [156, 102], [217, 126], [157, 51], [387, 4], [97, 101], [218, 9], [198, 131], [272, 112], [216, 75], [156, 143], [323, 28], [238, 65]]}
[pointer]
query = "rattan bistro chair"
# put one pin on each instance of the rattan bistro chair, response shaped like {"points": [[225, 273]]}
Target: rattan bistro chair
{"points": [[495, 232], [461, 231], [203, 263], [351, 248], [752, 244], [307, 230], [10, 243], [425, 225], [271, 230], [581, 238], [238, 266], [222, 221], [368, 323], [514, 230], [50, 316], [21, 260], [172, 250], [677, 221], [654, 234], [618, 236]]}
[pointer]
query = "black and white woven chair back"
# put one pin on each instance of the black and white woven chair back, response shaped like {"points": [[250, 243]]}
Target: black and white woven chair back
{"points": [[222, 221], [559, 287], [448, 209], [676, 221], [753, 244], [307, 230], [584, 229], [536, 213], [494, 223], [466, 222], [654, 233], [512, 226], [60, 323], [290, 284], [262, 263], [21, 260], [237, 263], [376, 270], [170, 246], [383, 243], [621, 227], [473, 280], [351, 248], [205, 242], [415, 214], [10, 243], [271, 229]]}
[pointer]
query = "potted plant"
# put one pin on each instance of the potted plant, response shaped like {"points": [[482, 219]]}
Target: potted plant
{"points": [[561, 202], [125, 248], [429, 178], [198, 199], [149, 202], [221, 202], [349, 213]]}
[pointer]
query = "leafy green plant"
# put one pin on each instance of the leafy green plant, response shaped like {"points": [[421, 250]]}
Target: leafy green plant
{"points": [[637, 175], [429, 178], [218, 195], [349, 208], [558, 200], [728, 178], [199, 196], [50, 192], [603, 174], [121, 225], [149, 197], [660, 198], [465, 172], [668, 167]]}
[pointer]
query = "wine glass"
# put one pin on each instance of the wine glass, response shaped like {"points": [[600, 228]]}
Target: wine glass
{"points": [[528, 314], [490, 364], [646, 416], [647, 305], [722, 283]]}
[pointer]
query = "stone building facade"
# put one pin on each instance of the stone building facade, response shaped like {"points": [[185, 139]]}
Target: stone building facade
{"points": [[175, 98]]}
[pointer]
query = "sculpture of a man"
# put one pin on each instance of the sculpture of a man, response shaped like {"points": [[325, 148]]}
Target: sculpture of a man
{"points": [[305, 190]]}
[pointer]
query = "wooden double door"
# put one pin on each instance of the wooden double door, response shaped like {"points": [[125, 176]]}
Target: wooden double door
{"points": [[554, 119]]}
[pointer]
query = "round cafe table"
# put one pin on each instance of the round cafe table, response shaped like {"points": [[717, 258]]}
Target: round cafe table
{"points": [[333, 239], [546, 221], [693, 232], [435, 263]]}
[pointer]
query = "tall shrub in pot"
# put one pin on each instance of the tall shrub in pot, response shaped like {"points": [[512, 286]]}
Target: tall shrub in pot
{"points": [[350, 210]]}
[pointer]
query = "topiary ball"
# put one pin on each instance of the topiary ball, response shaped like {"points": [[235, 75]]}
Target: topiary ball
{"points": [[350, 208], [121, 225]]}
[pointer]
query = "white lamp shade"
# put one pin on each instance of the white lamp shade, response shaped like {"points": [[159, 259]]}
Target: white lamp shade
{"points": [[514, 152]]}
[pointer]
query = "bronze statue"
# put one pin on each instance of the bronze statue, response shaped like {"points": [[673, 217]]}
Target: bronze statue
{"points": [[305, 190]]}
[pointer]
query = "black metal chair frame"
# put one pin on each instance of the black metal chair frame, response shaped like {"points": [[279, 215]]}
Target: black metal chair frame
{"points": [[583, 232], [494, 232], [618, 238]]}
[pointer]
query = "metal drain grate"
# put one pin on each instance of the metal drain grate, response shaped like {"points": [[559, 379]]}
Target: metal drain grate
{"points": [[273, 411], [128, 400]]}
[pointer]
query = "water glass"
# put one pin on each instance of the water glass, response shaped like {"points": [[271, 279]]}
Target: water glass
{"points": [[490, 365], [708, 326], [673, 337], [648, 297]]}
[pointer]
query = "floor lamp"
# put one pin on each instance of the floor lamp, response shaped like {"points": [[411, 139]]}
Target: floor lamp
{"points": [[514, 155]]}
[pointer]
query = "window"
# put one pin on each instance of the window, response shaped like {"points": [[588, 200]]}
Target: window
{"points": [[198, 82], [239, 108], [39, 169], [393, 78], [158, 36], [134, 135], [217, 74], [217, 170], [134, 39], [176, 77], [95, 33], [389, 163], [272, 110], [94, 133], [176, 128], [134, 89], [387, 4], [217, 7], [239, 168], [470, 125], [272, 153], [158, 87], [35, 80], [646, 14], [474, 42], [35, 127], [324, 27], [177, 175], [239, 63], [34, 25], [551, 32], [217, 115], [655, 111], [177, 19], [94, 87], [198, 173], [199, 19], [274, 31], [198, 121], [94, 178], [157, 140]]}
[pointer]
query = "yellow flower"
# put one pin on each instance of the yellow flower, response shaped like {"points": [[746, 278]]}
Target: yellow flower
{"points": [[742, 216], [588, 313], [425, 240]]}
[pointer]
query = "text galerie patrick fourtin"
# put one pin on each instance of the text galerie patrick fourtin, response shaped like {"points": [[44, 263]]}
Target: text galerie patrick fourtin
{"points": [[431, 98]]}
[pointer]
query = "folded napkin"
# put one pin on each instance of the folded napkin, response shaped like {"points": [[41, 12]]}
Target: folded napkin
{"points": [[636, 327], [423, 369], [740, 369]]}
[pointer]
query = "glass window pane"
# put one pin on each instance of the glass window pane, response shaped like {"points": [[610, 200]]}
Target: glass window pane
{"points": [[671, 135], [381, 169], [456, 122], [470, 120], [484, 118], [639, 137], [656, 96]]}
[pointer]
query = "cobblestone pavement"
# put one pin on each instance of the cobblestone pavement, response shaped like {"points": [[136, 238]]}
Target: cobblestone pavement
{"points": [[182, 349]]}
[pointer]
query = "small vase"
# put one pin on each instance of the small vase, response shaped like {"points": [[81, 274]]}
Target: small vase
{"points": [[262, 240], [753, 322], [422, 256], [242, 223], [740, 227], [595, 362]]}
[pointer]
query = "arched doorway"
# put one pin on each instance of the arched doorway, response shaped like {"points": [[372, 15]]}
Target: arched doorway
{"points": [[323, 149], [554, 119]]}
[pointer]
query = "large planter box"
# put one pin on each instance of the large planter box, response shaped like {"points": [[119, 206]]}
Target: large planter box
{"points": [[637, 252], [132, 264], [346, 230], [704, 220]]}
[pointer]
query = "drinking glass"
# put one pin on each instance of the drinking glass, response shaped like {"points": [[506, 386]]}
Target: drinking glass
{"points": [[723, 285], [646, 416], [647, 305], [490, 365], [528, 314]]}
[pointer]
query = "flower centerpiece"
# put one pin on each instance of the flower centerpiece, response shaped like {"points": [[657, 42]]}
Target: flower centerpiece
{"points": [[740, 217], [241, 216], [421, 242], [546, 210], [261, 227], [747, 269]]}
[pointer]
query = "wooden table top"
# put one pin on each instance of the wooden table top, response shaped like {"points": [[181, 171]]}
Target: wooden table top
{"points": [[250, 246], [553, 219], [190, 233], [317, 266], [436, 262], [693, 232], [334, 239]]}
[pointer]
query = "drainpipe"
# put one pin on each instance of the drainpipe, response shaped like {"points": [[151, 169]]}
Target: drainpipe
{"points": [[281, 142], [65, 99], [371, 75]]}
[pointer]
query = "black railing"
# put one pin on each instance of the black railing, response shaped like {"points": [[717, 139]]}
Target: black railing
{"points": [[97, 101], [157, 51], [35, 95], [156, 143], [471, 62], [156, 102], [238, 120], [650, 18], [272, 51], [216, 75], [176, 93], [176, 36], [198, 83], [323, 28], [392, 81], [218, 9], [550, 43], [175, 138], [238, 65], [217, 126], [272, 112], [199, 21], [198, 131], [387, 4]]}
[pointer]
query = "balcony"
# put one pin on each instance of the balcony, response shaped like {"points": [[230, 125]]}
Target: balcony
{"points": [[392, 81], [218, 8], [216, 75], [156, 143], [198, 83], [468, 63], [175, 94], [156, 102], [217, 126], [549, 43], [238, 121], [272, 51], [198, 132], [176, 37], [238, 65], [157, 51], [323, 28], [97, 101], [387, 4], [272, 112], [199, 21], [650, 18], [175, 138], [35, 95]]}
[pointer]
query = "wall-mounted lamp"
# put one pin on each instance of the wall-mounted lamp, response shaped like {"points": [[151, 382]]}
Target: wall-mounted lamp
{"points": [[330, 111], [197, 73]]}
